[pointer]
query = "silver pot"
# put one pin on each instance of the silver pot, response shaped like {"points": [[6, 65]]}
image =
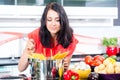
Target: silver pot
{"points": [[46, 69]]}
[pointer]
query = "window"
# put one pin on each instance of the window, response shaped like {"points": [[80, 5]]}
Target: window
{"points": [[28, 12], [81, 3], [7, 2], [90, 3]]}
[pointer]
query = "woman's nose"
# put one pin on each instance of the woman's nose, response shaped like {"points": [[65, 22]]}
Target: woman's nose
{"points": [[53, 22]]}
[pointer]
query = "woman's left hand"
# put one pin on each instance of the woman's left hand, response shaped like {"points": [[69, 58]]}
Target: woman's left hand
{"points": [[67, 62]]}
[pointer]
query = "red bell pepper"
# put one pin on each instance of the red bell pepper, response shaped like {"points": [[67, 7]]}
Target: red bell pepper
{"points": [[71, 75]]}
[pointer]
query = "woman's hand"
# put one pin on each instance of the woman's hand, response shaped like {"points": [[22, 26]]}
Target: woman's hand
{"points": [[23, 62], [67, 62], [30, 47]]}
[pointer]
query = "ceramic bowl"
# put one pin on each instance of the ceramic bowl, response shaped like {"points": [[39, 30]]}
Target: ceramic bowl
{"points": [[84, 73]]}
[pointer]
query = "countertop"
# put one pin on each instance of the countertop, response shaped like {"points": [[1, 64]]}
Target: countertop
{"points": [[14, 62], [75, 58]]}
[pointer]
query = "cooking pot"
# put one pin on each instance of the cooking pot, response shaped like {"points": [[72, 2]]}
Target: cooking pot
{"points": [[46, 69]]}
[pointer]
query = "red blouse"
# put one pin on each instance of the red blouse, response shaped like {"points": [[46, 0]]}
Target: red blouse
{"points": [[48, 51]]}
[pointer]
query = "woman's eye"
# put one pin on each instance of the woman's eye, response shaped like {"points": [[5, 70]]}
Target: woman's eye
{"points": [[57, 20], [49, 20]]}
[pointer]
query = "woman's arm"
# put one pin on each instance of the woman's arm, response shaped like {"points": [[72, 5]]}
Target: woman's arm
{"points": [[23, 62]]}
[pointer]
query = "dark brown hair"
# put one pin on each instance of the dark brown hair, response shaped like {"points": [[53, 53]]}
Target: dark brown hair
{"points": [[64, 36]]}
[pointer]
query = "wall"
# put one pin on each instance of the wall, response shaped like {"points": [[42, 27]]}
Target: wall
{"points": [[89, 40], [89, 37]]}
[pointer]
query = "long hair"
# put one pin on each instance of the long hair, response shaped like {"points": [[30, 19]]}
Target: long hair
{"points": [[64, 36]]}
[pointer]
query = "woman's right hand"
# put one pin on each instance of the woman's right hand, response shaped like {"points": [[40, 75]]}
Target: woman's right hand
{"points": [[23, 62]]}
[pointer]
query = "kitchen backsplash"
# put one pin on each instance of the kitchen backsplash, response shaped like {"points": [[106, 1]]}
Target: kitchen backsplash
{"points": [[13, 40]]}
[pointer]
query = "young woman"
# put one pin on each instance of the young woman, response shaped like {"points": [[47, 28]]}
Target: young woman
{"points": [[54, 35]]}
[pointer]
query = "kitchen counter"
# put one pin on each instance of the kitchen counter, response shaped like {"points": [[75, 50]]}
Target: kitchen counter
{"points": [[11, 72], [75, 58], [10, 61]]}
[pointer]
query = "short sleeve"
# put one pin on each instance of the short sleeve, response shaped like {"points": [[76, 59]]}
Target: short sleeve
{"points": [[34, 34]]}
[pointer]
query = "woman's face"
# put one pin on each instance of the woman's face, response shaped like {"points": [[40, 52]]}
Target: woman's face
{"points": [[53, 22]]}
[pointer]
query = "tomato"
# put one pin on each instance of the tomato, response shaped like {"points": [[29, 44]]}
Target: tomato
{"points": [[88, 60], [96, 62], [99, 57]]}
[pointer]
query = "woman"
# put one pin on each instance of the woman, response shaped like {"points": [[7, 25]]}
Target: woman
{"points": [[54, 35]]}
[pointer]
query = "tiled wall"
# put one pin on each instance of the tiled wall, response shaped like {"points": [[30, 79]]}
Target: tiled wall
{"points": [[89, 39]]}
